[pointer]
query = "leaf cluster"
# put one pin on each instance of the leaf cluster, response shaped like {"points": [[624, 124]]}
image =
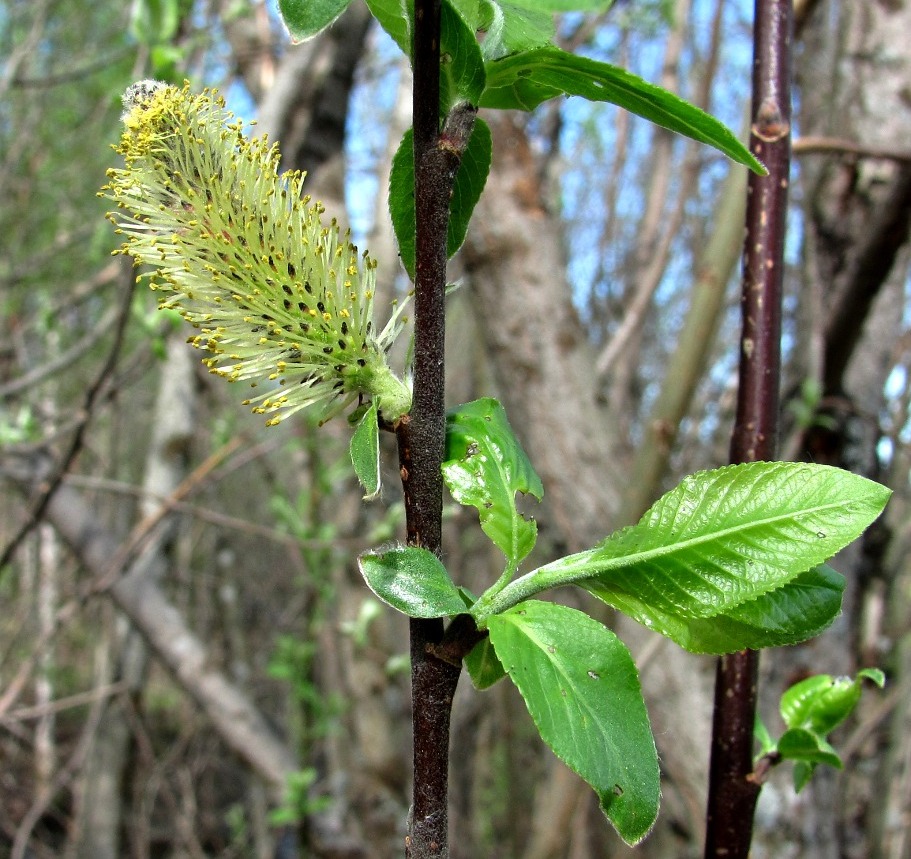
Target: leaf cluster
{"points": [[811, 710], [730, 559]]}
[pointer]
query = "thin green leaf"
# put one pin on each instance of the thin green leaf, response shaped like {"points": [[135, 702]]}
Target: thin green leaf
{"points": [[720, 539], [485, 467], [582, 690], [803, 772], [469, 183], [365, 452], [413, 581], [305, 18], [526, 79], [763, 737], [401, 201]]}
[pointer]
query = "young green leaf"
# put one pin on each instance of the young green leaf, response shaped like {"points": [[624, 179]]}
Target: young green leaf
{"points": [[811, 709], [526, 79], [411, 580], [469, 183], [799, 744], [483, 666], [365, 452], [720, 539], [508, 27], [582, 690], [396, 17], [485, 467], [822, 702], [461, 65], [305, 18]]}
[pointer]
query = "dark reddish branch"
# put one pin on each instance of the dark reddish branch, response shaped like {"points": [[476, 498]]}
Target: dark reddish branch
{"points": [[733, 787], [421, 435]]}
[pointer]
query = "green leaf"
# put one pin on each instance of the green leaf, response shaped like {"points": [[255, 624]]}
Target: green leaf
{"points": [[401, 201], [795, 612], [763, 737], [811, 709], [461, 65], [483, 666], [508, 27], [822, 702], [720, 539], [469, 183], [526, 79], [365, 452], [799, 744], [485, 467], [396, 17], [305, 18], [582, 690], [413, 581]]}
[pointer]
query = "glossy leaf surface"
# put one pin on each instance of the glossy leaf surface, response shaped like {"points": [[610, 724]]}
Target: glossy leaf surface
{"points": [[484, 468], [822, 702], [524, 80], [798, 610], [720, 539], [413, 581]]}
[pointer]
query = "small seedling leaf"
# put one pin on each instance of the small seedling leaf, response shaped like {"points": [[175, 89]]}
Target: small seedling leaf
{"points": [[365, 452]]}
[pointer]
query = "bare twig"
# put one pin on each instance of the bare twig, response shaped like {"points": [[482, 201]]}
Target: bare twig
{"points": [[815, 145], [421, 435], [733, 790], [93, 394]]}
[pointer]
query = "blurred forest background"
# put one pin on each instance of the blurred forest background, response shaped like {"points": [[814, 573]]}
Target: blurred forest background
{"points": [[182, 625]]}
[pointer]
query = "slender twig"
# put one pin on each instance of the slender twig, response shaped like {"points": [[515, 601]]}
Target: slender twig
{"points": [[92, 396], [421, 435], [733, 789], [818, 145]]}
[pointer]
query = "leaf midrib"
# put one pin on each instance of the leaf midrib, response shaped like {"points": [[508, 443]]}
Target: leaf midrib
{"points": [[559, 573]]}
